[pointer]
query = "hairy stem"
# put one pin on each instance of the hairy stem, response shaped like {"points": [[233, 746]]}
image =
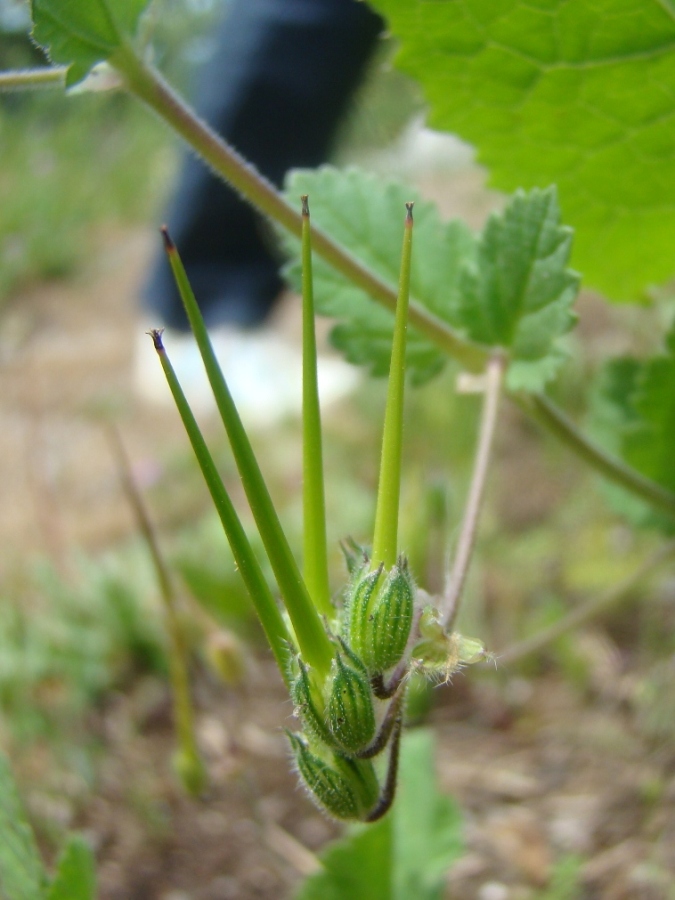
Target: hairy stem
{"points": [[33, 79], [314, 505], [149, 86], [589, 610], [553, 419], [467, 536]]}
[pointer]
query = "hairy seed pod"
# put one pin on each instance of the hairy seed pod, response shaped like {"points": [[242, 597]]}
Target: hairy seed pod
{"points": [[392, 618], [309, 707], [330, 789], [351, 717], [357, 631], [380, 616]]}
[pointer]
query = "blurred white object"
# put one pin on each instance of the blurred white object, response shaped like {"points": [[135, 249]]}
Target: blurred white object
{"points": [[102, 77], [419, 149], [263, 372]]}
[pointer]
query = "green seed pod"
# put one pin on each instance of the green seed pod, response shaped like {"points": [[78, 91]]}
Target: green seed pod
{"points": [[392, 617], [309, 707], [357, 631], [379, 621], [330, 789], [351, 717]]}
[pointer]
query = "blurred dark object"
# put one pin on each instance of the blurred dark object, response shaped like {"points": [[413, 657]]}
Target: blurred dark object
{"points": [[276, 89], [16, 49]]}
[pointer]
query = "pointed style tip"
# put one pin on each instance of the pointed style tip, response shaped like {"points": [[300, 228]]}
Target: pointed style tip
{"points": [[156, 335], [304, 199], [169, 245], [409, 209]]}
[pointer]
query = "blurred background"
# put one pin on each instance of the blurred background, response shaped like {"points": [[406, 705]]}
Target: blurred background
{"points": [[563, 764]]}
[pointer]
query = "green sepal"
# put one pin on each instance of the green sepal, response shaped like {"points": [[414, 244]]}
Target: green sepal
{"points": [[351, 717], [440, 654], [309, 706], [361, 775], [356, 557], [330, 789]]}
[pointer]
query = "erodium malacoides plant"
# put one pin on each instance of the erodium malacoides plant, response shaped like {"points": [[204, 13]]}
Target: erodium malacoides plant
{"points": [[346, 665]]}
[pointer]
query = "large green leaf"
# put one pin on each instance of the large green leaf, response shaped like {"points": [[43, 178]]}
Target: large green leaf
{"points": [[576, 92], [81, 33], [22, 876], [75, 877], [403, 856], [509, 289]]}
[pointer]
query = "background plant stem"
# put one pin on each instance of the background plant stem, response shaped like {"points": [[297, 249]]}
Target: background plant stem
{"points": [[178, 655], [589, 610]]}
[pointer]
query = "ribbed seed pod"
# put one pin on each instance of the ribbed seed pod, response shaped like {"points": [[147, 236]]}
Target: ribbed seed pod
{"points": [[329, 788], [358, 631], [392, 618], [351, 717], [309, 708], [379, 621]]}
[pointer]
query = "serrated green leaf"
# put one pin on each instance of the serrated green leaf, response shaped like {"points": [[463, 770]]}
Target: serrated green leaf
{"points": [[573, 92], [22, 875], [75, 877], [519, 292], [511, 289], [81, 33], [403, 856], [632, 415], [650, 437], [366, 215]]}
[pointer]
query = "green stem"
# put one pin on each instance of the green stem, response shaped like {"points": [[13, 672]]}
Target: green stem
{"points": [[467, 535], [33, 79], [588, 611], [314, 505], [554, 420], [270, 618], [178, 656], [385, 537], [314, 643], [151, 88]]}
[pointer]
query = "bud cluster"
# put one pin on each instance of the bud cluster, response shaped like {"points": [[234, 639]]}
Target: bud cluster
{"points": [[354, 714]]}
